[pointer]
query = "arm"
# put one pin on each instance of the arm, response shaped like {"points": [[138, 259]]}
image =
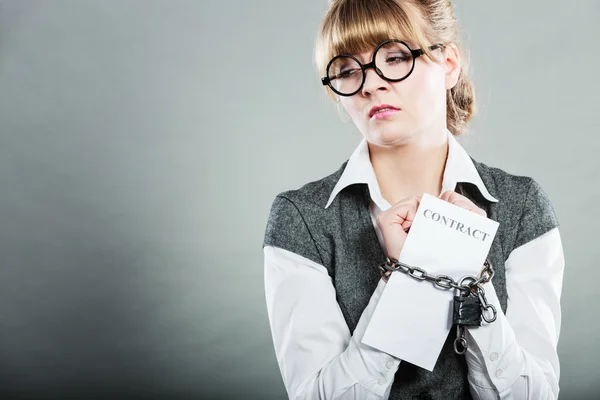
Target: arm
{"points": [[516, 356], [317, 356]]}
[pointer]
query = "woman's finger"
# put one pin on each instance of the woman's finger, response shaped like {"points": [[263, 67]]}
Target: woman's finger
{"points": [[462, 202]]}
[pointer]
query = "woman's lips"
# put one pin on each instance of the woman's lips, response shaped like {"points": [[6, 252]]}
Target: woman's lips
{"points": [[384, 114]]}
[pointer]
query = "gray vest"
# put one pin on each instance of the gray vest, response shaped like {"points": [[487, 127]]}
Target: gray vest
{"points": [[342, 239]]}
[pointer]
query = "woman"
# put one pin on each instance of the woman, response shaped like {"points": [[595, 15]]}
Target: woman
{"points": [[395, 68]]}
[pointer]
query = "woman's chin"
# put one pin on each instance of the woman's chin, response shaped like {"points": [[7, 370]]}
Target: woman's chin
{"points": [[388, 139]]}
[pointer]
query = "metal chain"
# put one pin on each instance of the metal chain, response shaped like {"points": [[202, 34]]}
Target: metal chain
{"points": [[474, 288], [442, 281]]}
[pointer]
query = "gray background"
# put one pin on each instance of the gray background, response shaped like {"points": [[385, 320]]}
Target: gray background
{"points": [[141, 146]]}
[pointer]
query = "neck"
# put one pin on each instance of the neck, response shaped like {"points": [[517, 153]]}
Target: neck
{"points": [[411, 168]]}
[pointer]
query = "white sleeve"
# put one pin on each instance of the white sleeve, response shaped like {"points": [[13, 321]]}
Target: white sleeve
{"points": [[317, 356], [515, 357]]}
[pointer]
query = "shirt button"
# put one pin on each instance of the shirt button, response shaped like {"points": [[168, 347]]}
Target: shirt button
{"points": [[499, 373], [381, 381], [389, 364], [494, 356]]}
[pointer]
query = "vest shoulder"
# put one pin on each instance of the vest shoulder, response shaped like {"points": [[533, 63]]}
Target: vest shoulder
{"points": [[296, 218], [524, 205], [502, 184], [314, 193]]}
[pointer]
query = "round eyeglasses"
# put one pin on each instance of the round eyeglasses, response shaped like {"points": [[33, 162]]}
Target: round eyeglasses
{"points": [[393, 60]]}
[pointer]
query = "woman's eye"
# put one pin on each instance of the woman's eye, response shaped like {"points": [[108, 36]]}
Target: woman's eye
{"points": [[397, 59], [347, 73]]}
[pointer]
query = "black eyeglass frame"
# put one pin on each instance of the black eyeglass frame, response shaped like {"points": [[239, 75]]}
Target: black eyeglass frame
{"points": [[415, 54]]}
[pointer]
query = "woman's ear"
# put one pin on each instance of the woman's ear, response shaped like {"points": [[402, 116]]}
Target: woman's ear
{"points": [[452, 64]]}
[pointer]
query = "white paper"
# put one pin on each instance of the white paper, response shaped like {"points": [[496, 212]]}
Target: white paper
{"points": [[413, 318]]}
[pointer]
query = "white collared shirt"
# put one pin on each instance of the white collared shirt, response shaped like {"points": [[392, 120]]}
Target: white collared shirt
{"points": [[514, 357]]}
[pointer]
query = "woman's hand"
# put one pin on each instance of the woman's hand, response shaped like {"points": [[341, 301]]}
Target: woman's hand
{"points": [[395, 222], [462, 202]]}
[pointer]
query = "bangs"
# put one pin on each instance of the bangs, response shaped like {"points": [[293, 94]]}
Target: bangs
{"points": [[355, 26]]}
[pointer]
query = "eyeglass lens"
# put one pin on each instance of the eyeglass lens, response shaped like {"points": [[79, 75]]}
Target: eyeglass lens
{"points": [[393, 59]]}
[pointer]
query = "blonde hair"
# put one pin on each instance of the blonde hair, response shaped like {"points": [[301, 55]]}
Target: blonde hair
{"points": [[354, 26]]}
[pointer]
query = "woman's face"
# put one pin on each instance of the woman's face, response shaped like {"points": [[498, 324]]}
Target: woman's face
{"points": [[418, 102]]}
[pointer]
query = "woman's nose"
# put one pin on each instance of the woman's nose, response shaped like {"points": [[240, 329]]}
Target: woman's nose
{"points": [[374, 82]]}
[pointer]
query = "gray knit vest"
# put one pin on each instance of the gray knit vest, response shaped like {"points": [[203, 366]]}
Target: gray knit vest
{"points": [[342, 239]]}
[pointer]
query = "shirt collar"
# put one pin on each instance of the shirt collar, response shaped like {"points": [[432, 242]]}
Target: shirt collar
{"points": [[459, 168]]}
